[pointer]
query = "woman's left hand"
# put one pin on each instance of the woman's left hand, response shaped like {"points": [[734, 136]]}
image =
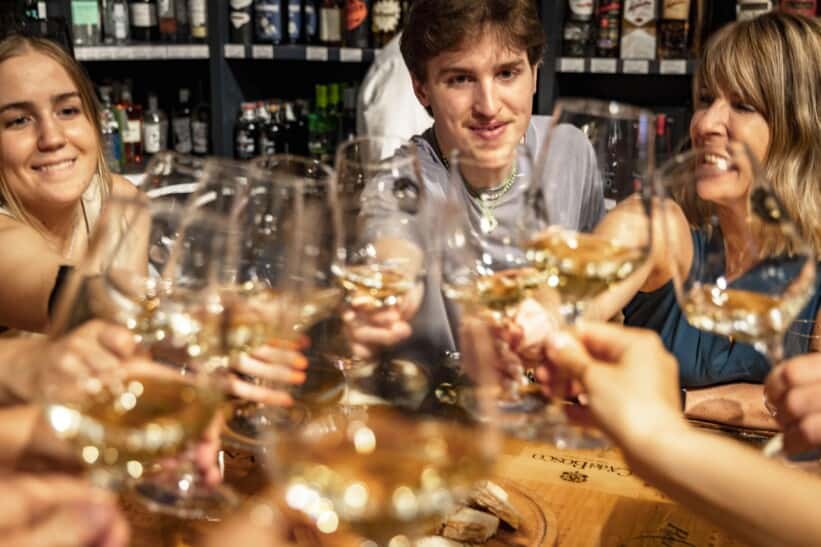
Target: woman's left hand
{"points": [[275, 363]]}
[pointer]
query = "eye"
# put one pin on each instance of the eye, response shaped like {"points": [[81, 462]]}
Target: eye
{"points": [[458, 80], [68, 111], [705, 99], [744, 107], [17, 122], [509, 74]]}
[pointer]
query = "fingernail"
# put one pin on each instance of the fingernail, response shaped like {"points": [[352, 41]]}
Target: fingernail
{"points": [[296, 377], [299, 361]]}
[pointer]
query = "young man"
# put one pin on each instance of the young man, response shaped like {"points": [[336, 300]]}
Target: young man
{"points": [[474, 66]]}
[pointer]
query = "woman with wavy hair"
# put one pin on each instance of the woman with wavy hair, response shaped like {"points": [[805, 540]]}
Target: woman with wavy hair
{"points": [[758, 83]]}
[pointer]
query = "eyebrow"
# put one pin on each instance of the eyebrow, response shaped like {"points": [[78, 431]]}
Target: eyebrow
{"points": [[462, 70], [23, 105]]}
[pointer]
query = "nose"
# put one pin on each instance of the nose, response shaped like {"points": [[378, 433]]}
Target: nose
{"points": [[711, 120], [486, 103], [51, 135]]}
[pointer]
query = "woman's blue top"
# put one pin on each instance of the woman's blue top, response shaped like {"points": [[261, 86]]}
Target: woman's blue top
{"points": [[705, 358]]}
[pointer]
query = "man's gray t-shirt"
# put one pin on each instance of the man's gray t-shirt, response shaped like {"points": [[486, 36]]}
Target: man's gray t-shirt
{"points": [[574, 197]]}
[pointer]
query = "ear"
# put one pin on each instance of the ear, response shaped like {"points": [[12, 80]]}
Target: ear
{"points": [[419, 89]]}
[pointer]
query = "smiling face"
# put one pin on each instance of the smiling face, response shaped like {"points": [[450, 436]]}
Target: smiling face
{"points": [[481, 95], [48, 145], [717, 121]]}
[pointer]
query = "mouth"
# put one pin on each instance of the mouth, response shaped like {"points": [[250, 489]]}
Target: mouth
{"points": [[55, 166], [720, 162], [489, 131]]}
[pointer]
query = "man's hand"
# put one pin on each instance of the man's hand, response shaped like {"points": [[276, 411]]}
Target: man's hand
{"points": [[793, 388], [277, 363], [56, 511]]}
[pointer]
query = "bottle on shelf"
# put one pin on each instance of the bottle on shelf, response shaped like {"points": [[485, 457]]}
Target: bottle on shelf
{"points": [[198, 19], [167, 15], [333, 117], [110, 131], [330, 23], [183, 22], [356, 23], [268, 21], [310, 20], [750, 9], [673, 29], [276, 132], [245, 133], [300, 111], [577, 33], [181, 123], [801, 7], [265, 146], [36, 10], [144, 23], [131, 129], [292, 15], [155, 128], [319, 146], [386, 16], [201, 125], [608, 22], [240, 28], [116, 22], [86, 25], [638, 33], [348, 114]]}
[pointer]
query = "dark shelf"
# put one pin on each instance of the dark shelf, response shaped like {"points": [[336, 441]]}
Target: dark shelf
{"points": [[631, 67], [141, 52], [299, 53]]}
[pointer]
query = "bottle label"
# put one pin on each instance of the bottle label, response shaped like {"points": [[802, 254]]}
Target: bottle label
{"points": [[310, 20], [581, 9], [356, 11], [245, 144], [386, 15], [241, 5], [294, 20], [132, 132], [151, 138], [84, 12], [120, 19], [41, 10], [240, 19], [182, 135], [330, 25], [269, 21], [144, 15], [676, 9], [165, 8], [199, 18], [639, 12], [199, 134]]}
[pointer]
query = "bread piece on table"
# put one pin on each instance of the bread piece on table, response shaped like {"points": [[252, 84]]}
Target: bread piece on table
{"points": [[491, 497], [470, 525]]}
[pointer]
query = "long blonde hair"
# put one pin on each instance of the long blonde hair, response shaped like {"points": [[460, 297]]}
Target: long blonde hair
{"points": [[18, 45], [772, 63]]}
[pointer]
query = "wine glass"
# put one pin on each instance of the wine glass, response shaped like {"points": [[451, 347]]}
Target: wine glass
{"points": [[150, 269], [751, 284], [173, 177], [289, 232], [382, 262]]}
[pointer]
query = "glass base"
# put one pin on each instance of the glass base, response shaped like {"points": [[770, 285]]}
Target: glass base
{"points": [[189, 500], [247, 424]]}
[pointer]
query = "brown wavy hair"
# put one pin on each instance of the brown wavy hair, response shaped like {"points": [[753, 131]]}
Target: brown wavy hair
{"points": [[15, 45], [436, 26], [772, 63]]}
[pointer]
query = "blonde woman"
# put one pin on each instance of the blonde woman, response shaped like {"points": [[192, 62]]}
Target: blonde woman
{"points": [[53, 184]]}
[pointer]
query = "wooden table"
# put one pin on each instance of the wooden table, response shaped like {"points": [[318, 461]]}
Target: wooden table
{"points": [[590, 498]]}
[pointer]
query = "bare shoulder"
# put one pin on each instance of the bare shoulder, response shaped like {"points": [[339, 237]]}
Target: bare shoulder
{"points": [[123, 188]]}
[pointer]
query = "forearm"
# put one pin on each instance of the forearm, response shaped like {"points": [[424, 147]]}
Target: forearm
{"points": [[18, 368], [759, 501], [17, 424], [736, 404]]}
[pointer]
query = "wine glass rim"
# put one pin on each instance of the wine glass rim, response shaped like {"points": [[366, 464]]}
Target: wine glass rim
{"points": [[263, 161], [602, 108], [394, 161]]}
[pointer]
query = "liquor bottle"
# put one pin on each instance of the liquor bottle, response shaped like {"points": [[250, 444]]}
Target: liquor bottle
{"points": [[385, 20], [638, 32], [155, 127], [276, 133], [85, 22], [144, 27], [293, 18], [356, 23], [198, 19], [132, 133], [240, 30], [201, 125], [608, 19], [35, 10], [245, 133], [299, 112], [319, 146], [167, 14], [333, 117], [265, 146], [268, 21], [578, 28], [110, 131], [802, 7], [330, 23], [310, 18], [673, 28], [348, 114], [750, 9], [181, 123], [116, 26], [183, 22]]}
